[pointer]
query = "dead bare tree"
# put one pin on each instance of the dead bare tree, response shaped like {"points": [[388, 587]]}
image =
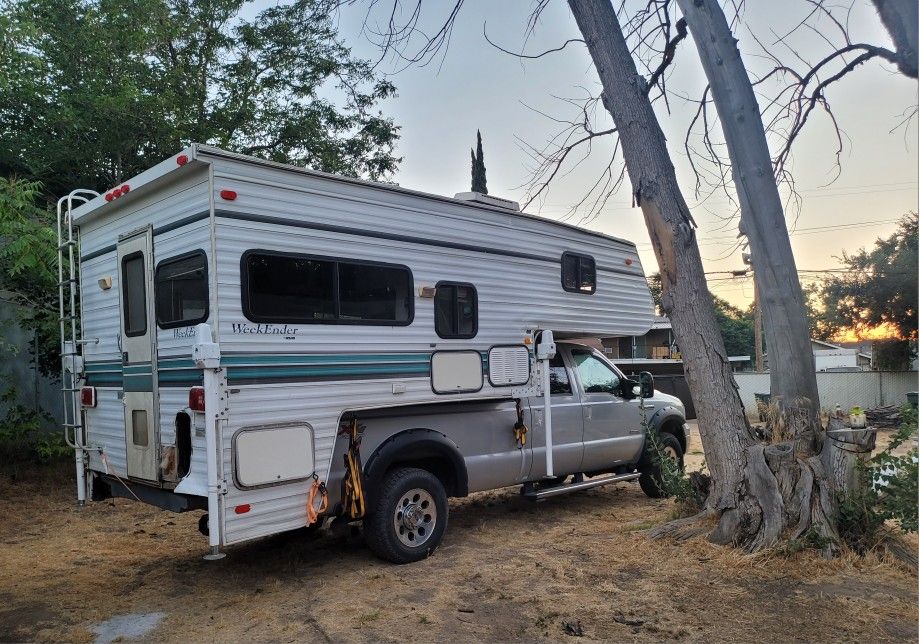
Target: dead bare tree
{"points": [[760, 492]]}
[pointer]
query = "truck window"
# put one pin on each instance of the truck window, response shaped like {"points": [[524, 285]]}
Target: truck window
{"points": [[579, 273], [456, 310], [596, 376], [181, 290], [558, 376], [287, 287]]}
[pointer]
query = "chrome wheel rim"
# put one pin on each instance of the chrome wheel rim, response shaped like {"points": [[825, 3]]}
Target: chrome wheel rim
{"points": [[415, 517], [670, 453]]}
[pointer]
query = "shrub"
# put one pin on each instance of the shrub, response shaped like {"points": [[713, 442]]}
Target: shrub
{"points": [[889, 492]]}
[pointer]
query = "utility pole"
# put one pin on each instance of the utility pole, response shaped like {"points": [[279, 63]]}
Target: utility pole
{"points": [[757, 319]]}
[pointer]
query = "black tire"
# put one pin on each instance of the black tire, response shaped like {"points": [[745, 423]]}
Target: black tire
{"points": [[650, 469], [418, 491]]}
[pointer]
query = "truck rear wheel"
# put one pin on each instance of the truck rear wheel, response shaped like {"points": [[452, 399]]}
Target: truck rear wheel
{"points": [[650, 469], [409, 517]]}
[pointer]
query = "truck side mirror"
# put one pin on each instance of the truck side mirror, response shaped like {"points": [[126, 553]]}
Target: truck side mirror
{"points": [[646, 381]]}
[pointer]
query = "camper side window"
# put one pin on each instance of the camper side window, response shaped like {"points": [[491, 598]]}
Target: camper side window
{"points": [[284, 287], [456, 310], [181, 290], [579, 273]]}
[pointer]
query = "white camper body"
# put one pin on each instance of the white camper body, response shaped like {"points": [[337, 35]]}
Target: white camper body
{"points": [[296, 298]]}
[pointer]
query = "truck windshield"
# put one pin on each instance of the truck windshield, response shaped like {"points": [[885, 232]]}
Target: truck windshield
{"points": [[596, 376]]}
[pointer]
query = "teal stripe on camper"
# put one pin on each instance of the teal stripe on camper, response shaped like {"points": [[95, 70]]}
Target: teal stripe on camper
{"points": [[102, 366], [235, 374], [138, 369], [99, 379], [138, 382], [176, 363], [322, 359], [177, 377]]}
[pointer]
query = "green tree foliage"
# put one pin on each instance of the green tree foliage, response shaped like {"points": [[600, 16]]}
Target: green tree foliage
{"points": [[879, 287], [479, 183], [736, 328], [28, 266], [736, 325], [92, 92]]}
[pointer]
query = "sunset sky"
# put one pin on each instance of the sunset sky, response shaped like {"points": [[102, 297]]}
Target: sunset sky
{"points": [[474, 86]]}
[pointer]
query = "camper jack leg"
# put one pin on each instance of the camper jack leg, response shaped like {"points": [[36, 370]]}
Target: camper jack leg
{"points": [[214, 554]]}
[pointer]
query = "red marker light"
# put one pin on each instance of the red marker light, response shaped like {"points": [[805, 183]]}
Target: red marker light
{"points": [[628, 261], [242, 509], [116, 193], [196, 398], [229, 195], [182, 159], [88, 396], [125, 189], [109, 196]]}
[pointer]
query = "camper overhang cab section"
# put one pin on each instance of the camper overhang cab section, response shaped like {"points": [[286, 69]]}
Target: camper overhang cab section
{"points": [[235, 316]]}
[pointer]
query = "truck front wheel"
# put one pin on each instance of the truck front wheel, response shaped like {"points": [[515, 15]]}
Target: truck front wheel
{"points": [[409, 518], [650, 468]]}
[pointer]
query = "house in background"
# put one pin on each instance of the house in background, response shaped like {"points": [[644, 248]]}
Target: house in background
{"points": [[833, 357], [656, 351]]}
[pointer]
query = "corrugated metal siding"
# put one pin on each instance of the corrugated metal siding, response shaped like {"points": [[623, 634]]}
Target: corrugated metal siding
{"points": [[515, 294], [183, 199]]}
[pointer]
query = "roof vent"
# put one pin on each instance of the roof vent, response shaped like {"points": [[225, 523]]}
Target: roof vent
{"points": [[488, 200]]}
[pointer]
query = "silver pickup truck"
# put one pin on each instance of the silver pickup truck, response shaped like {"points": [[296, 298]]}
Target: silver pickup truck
{"points": [[415, 458]]}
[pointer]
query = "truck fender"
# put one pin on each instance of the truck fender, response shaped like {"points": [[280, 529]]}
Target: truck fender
{"points": [[419, 447], [670, 418]]}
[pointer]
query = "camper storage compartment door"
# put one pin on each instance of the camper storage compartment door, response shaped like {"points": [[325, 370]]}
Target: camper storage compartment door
{"points": [[272, 454], [454, 372]]}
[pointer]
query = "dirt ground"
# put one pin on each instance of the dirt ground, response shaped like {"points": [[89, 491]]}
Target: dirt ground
{"points": [[507, 570]]}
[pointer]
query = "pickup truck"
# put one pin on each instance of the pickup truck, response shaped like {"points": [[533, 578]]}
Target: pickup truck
{"points": [[414, 458]]}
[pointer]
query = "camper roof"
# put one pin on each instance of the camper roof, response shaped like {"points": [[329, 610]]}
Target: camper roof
{"points": [[196, 154]]}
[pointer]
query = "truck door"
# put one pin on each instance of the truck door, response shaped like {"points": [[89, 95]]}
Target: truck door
{"points": [[613, 431], [567, 424], [138, 353]]}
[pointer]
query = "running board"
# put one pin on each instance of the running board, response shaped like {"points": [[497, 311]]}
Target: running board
{"points": [[537, 495]]}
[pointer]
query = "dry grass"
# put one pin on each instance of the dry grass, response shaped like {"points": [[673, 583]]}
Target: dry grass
{"points": [[508, 570]]}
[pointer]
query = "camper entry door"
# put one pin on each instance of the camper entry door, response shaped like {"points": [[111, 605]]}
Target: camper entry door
{"points": [[138, 353]]}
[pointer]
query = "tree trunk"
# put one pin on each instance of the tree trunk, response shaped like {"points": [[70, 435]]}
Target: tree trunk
{"points": [[792, 373], [901, 19], [762, 492], [685, 299]]}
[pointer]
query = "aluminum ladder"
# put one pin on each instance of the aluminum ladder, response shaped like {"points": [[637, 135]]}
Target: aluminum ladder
{"points": [[68, 289]]}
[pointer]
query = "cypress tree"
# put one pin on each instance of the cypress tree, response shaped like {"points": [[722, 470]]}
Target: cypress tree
{"points": [[478, 166]]}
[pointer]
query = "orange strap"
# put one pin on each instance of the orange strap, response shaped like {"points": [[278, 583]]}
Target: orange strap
{"points": [[312, 512]]}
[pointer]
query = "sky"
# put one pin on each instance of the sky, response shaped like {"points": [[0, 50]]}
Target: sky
{"points": [[474, 86]]}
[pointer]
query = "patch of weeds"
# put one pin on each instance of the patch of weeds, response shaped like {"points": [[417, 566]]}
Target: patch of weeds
{"points": [[545, 620], [424, 619], [689, 491], [810, 540], [642, 525], [369, 618]]}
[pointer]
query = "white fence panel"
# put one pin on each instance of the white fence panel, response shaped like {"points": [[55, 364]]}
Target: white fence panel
{"points": [[866, 389]]}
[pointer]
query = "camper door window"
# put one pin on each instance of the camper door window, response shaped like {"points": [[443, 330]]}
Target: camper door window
{"points": [[579, 273], [288, 287], [181, 290], [134, 294]]}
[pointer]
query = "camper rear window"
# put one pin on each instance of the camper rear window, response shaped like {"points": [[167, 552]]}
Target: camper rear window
{"points": [[181, 290], [284, 287], [456, 310], [579, 273]]}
